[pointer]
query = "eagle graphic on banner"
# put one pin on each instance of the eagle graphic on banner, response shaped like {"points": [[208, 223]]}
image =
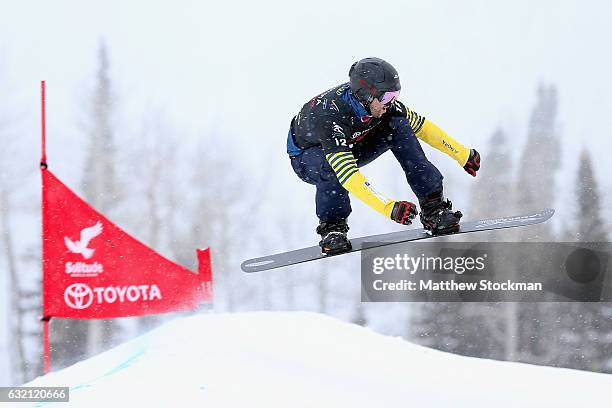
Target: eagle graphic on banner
{"points": [[80, 246]]}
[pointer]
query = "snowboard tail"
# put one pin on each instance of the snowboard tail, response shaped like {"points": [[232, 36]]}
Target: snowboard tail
{"points": [[373, 241]]}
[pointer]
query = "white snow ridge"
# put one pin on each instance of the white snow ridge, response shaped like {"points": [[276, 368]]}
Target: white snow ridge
{"points": [[273, 359]]}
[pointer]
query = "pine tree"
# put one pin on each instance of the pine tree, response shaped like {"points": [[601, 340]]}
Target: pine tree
{"points": [[584, 330], [154, 208], [475, 329], [20, 254], [490, 198], [100, 183], [535, 189], [539, 163], [77, 339], [590, 226], [216, 217]]}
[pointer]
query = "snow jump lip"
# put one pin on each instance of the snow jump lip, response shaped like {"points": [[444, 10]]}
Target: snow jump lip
{"points": [[307, 359], [314, 252]]}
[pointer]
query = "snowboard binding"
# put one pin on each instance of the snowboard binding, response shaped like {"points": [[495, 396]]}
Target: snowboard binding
{"points": [[334, 240], [437, 215]]}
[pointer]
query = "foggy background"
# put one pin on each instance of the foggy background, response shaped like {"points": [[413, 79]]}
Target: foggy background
{"points": [[188, 105]]}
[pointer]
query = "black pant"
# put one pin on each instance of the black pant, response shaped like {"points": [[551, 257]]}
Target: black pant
{"points": [[332, 200]]}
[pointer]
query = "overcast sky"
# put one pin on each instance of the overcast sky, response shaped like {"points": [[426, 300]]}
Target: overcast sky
{"points": [[245, 68]]}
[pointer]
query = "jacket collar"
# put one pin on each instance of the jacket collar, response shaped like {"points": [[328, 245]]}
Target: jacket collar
{"points": [[357, 106]]}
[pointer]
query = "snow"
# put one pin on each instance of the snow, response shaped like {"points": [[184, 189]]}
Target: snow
{"points": [[299, 359]]}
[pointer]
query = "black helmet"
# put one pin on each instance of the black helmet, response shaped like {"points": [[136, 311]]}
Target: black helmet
{"points": [[371, 77]]}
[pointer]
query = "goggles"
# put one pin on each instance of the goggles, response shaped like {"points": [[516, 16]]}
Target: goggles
{"points": [[388, 98]]}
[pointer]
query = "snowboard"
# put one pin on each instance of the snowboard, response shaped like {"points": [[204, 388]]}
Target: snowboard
{"points": [[373, 241]]}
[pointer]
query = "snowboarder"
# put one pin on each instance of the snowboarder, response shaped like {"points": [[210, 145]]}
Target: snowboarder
{"points": [[343, 129]]}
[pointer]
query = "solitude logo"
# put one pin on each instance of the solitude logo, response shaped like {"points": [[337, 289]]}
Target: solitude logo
{"points": [[84, 269], [80, 246]]}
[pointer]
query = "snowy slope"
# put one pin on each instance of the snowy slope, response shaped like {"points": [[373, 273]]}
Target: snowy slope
{"points": [[273, 359]]}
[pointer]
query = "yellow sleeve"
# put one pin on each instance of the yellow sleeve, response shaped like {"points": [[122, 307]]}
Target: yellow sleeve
{"points": [[349, 176], [431, 134]]}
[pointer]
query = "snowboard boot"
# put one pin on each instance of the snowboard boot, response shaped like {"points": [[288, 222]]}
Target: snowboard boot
{"points": [[437, 216], [333, 237]]}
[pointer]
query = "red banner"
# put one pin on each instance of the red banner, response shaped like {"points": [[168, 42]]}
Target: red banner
{"points": [[94, 270]]}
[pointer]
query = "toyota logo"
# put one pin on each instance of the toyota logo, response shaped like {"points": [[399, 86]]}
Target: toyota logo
{"points": [[78, 296]]}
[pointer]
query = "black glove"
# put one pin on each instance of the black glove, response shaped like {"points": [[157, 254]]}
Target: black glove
{"points": [[404, 212], [473, 163]]}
